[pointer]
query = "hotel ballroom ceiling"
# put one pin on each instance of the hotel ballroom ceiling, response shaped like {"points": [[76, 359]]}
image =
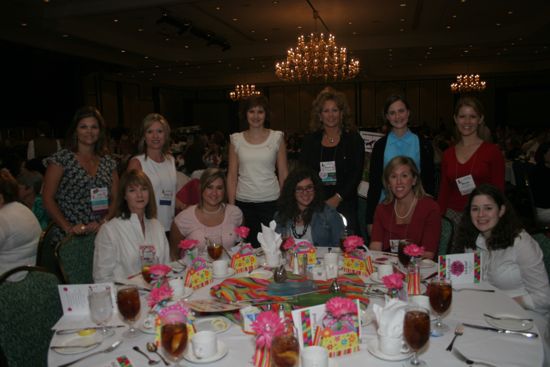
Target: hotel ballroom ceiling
{"points": [[219, 42]]}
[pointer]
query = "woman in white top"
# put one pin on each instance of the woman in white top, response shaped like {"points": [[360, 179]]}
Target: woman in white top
{"points": [[158, 164], [511, 259], [133, 233], [212, 218], [19, 229], [257, 166]]}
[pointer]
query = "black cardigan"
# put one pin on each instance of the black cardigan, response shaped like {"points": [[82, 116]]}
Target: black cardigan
{"points": [[376, 172]]}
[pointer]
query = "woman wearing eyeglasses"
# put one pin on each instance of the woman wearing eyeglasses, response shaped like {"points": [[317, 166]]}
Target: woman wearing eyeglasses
{"points": [[303, 213]]}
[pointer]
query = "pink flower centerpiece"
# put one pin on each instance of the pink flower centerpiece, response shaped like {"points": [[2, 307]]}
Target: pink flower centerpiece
{"points": [[339, 306], [159, 270], [289, 244], [351, 243], [341, 314], [414, 251], [394, 282], [267, 326], [159, 294], [186, 246], [242, 232]]}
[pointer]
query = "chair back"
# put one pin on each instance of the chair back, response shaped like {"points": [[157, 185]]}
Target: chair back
{"points": [[29, 310], [45, 256], [75, 256], [447, 233], [544, 243]]}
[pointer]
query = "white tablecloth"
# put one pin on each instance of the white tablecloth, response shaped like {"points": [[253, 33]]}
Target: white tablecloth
{"points": [[467, 306]]}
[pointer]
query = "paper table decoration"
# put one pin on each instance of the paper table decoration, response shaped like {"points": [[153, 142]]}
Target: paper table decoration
{"points": [[461, 268], [358, 262], [305, 248], [244, 260], [198, 275]]}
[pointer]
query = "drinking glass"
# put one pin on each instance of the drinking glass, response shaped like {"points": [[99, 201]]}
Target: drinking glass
{"points": [[440, 292], [173, 336], [146, 263], [285, 348], [214, 247], [416, 330], [101, 308], [129, 305]]}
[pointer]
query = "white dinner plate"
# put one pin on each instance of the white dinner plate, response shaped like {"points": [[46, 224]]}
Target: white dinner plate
{"points": [[375, 279], [218, 324], [427, 263], [511, 323], [261, 274], [230, 272], [75, 339], [190, 356], [372, 347]]}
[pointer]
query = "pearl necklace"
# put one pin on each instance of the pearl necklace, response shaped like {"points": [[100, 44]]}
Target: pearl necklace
{"points": [[211, 212], [408, 211]]}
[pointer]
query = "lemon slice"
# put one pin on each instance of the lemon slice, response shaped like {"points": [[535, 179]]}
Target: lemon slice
{"points": [[86, 332]]}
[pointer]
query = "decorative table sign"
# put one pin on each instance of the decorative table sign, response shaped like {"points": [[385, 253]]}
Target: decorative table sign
{"points": [[334, 325], [198, 275], [304, 248], [358, 262], [461, 268], [244, 260]]}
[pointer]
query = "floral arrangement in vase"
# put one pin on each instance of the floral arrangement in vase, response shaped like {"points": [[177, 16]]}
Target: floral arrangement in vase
{"points": [[414, 251], [188, 247], [394, 283], [340, 333], [267, 326], [242, 232]]}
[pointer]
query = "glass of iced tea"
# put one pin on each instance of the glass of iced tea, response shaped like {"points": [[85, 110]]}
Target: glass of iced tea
{"points": [[146, 263], [416, 330], [404, 259], [285, 348], [214, 247], [128, 304], [440, 292], [173, 336]]}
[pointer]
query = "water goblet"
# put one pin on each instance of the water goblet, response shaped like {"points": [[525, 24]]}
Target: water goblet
{"points": [[101, 308], [416, 330], [173, 336], [440, 292], [129, 305]]}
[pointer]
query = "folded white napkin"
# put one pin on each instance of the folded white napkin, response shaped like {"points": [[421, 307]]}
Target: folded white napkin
{"points": [[270, 240], [390, 317]]}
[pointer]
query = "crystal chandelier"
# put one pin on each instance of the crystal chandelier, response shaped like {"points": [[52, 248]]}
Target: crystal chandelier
{"points": [[318, 58], [243, 91], [468, 83]]}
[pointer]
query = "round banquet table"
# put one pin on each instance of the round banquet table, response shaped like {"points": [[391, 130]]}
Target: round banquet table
{"points": [[467, 306]]}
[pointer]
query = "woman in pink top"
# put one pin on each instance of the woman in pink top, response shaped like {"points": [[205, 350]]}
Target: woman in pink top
{"points": [[470, 163], [211, 218]]}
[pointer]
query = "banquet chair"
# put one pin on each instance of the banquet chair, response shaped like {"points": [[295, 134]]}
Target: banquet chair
{"points": [[75, 257], [544, 243], [30, 308], [45, 256], [447, 232]]}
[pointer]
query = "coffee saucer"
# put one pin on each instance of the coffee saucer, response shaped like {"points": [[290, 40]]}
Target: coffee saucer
{"points": [[230, 272], [372, 347], [222, 351]]}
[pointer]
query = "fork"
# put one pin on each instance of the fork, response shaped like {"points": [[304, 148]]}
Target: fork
{"points": [[469, 361], [473, 290], [506, 318], [459, 330]]}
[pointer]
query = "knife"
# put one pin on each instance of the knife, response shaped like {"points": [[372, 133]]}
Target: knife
{"points": [[502, 331], [71, 331]]}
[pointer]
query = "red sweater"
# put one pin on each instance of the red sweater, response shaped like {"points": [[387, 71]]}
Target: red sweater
{"points": [[486, 165]]}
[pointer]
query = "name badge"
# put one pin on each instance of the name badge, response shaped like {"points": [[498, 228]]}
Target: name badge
{"points": [[147, 253], [328, 172], [165, 197], [100, 199], [465, 184]]}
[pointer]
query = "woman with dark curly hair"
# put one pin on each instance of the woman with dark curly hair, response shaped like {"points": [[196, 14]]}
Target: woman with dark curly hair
{"points": [[336, 152], [303, 213], [511, 258]]}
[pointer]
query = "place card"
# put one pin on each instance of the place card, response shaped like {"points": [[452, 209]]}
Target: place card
{"points": [[198, 275], [244, 259], [461, 268]]}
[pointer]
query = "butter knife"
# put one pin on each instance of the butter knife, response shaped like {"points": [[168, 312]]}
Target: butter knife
{"points": [[526, 334], [72, 331]]}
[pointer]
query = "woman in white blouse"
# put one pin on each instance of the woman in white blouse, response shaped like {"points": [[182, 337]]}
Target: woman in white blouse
{"points": [[511, 259], [133, 233], [212, 218]]}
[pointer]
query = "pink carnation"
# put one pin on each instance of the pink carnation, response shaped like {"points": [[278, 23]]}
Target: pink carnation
{"points": [[289, 243], [267, 326], [159, 270], [414, 250], [393, 281], [339, 306], [159, 294], [242, 231], [352, 242], [188, 244]]}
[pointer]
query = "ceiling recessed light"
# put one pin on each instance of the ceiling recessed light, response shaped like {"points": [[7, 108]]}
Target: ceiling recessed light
{"points": [[402, 30], [466, 51], [167, 39], [65, 35], [263, 66], [448, 26], [402, 19], [453, 16], [403, 5], [428, 53], [510, 12], [390, 49], [23, 24], [354, 33], [513, 44], [252, 58], [146, 57], [218, 7], [299, 27], [157, 66], [186, 46], [235, 19], [520, 39], [253, 31], [220, 61], [497, 24], [115, 20], [266, 39], [123, 51], [350, 23], [430, 47]]}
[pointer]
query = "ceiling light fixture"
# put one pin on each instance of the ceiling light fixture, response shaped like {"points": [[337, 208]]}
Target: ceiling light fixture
{"points": [[317, 58], [468, 83], [243, 91]]}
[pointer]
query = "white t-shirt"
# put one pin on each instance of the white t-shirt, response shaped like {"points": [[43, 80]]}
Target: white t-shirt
{"points": [[257, 180], [164, 180]]}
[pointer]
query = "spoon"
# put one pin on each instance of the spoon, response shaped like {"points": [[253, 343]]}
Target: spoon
{"points": [[152, 362], [152, 347]]}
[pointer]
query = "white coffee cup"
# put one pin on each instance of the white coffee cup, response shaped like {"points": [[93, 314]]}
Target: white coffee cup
{"points": [[391, 346], [384, 270], [420, 300], [273, 259], [331, 258], [314, 356], [178, 287], [205, 344], [219, 267]]}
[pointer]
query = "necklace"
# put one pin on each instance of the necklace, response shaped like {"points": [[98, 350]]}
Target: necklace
{"points": [[212, 211], [296, 234], [408, 211]]}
